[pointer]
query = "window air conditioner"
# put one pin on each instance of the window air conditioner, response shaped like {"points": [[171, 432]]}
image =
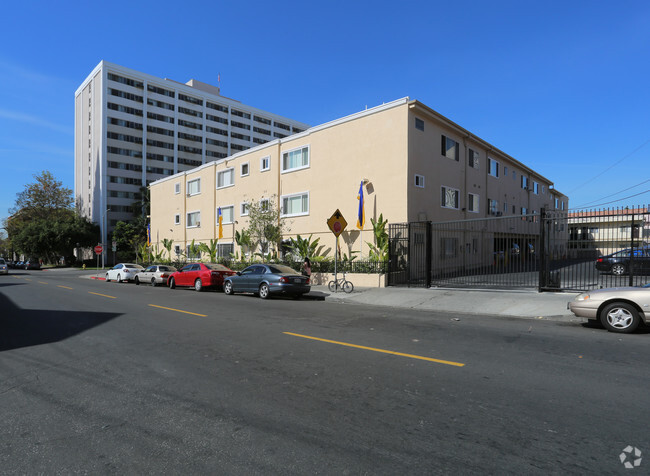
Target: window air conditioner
{"points": [[499, 214]]}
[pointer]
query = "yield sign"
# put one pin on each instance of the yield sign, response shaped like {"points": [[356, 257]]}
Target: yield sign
{"points": [[337, 223]]}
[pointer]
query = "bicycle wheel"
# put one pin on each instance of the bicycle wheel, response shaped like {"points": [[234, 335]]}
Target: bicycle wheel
{"points": [[348, 287], [332, 286]]}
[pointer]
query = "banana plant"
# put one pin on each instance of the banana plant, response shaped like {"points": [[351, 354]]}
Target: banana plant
{"points": [[210, 249], [305, 247], [379, 249], [167, 244]]}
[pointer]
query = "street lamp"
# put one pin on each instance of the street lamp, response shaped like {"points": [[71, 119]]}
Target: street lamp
{"points": [[104, 235]]}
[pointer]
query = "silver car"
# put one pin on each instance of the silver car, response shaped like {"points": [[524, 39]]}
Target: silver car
{"points": [[4, 269], [618, 309], [155, 274]]}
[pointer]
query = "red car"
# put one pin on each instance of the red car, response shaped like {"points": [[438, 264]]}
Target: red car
{"points": [[200, 275]]}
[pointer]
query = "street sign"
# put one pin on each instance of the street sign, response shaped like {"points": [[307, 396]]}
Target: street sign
{"points": [[337, 223], [99, 249]]}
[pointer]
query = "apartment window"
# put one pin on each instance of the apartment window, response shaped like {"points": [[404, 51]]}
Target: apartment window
{"points": [[265, 164], [160, 104], [193, 219], [593, 230], [295, 159], [543, 190], [524, 211], [243, 209], [473, 159], [524, 182], [194, 187], [472, 203], [505, 171], [235, 112], [493, 207], [177, 219], [177, 188], [227, 214], [264, 204], [161, 91], [419, 124], [493, 167], [450, 148], [295, 205], [262, 120], [226, 178], [419, 181], [448, 247], [535, 188], [225, 249], [449, 197], [217, 107], [244, 170], [190, 99]]}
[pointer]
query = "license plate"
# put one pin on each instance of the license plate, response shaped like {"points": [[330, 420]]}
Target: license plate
{"points": [[297, 280]]}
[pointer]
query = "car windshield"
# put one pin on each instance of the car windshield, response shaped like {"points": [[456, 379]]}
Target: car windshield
{"points": [[2, 261], [216, 267], [281, 269]]}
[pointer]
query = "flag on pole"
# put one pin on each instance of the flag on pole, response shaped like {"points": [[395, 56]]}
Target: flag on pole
{"points": [[361, 218], [220, 220], [148, 234]]}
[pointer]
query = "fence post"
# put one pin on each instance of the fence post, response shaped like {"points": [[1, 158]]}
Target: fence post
{"points": [[630, 272], [428, 253], [543, 261]]}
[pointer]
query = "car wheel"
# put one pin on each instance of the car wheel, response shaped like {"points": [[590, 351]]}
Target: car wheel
{"points": [[620, 317], [172, 283], [264, 291], [137, 281], [198, 285], [119, 278], [227, 288], [153, 282], [107, 278], [618, 269]]}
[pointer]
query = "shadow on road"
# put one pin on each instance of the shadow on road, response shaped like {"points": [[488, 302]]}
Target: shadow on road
{"points": [[29, 327]]}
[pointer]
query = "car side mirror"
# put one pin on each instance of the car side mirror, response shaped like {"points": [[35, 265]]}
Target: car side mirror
{"points": [[238, 273]]}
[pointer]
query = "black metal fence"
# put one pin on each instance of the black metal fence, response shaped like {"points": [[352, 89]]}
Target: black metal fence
{"points": [[553, 250]]}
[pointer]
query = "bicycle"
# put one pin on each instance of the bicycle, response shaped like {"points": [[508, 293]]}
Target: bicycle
{"points": [[340, 283]]}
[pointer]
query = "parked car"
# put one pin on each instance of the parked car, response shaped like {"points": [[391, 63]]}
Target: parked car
{"points": [[619, 263], [200, 275], [18, 265], [267, 279], [32, 264], [123, 272], [618, 309], [4, 268], [155, 274]]}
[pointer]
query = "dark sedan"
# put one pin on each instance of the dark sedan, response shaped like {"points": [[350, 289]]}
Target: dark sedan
{"points": [[619, 263], [267, 279]]}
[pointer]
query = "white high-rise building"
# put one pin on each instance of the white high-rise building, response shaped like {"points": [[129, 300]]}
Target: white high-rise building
{"points": [[132, 128]]}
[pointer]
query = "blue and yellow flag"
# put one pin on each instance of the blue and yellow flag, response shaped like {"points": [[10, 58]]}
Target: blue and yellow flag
{"points": [[148, 234], [220, 220], [361, 218]]}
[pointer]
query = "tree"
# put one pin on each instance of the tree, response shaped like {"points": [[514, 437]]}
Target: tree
{"points": [[305, 247], [265, 226], [379, 249], [243, 240], [129, 236], [210, 249], [167, 244], [45, 198]]}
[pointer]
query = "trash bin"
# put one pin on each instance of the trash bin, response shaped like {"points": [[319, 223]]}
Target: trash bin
{"points": [[553, 279]]}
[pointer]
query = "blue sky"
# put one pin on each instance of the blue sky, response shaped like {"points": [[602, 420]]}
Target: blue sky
{"points": [[562, 86]]}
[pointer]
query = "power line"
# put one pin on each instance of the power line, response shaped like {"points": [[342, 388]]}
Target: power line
{"points": [[614, 201], [615, 193]]}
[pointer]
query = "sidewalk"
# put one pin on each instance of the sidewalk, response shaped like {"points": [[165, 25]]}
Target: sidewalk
{"points": [[524, 303]]}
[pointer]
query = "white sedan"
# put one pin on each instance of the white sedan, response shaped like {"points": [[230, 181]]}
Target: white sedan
{"points": [[123, 272], [155, 274]]}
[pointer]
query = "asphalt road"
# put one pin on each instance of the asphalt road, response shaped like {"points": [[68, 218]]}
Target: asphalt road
{"points": [[109, 378]]}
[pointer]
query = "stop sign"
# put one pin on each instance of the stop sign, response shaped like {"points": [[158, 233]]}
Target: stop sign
{"points": [[98, 249]]}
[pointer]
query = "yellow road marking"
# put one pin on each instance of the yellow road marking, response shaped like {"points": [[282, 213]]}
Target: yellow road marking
{"points": [[104, 295], [178, 310], [410, 356], [64, 287], [27, 279], [42, 282]]}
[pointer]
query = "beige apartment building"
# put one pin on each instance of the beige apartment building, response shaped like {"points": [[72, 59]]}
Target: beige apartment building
{"points": [[414, 164], [132, 128]]}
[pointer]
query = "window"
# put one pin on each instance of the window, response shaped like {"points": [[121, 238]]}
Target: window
{"points": [[535, 188], [505, 171], [193, 187], [593, 230], [449, 197], [473, 159], [524, 182], [225, 249], [493, 207], [295, 205], [177, 188], [450, 148], [243, 209], [448, 247], [226, 178], [177, 219], [193, 219], [244, 169], [419, 181], [524, 212], [264, 204], [472, 202], [295, 159], [493, 167], [265, 164], [419, 124], [227, 214]]}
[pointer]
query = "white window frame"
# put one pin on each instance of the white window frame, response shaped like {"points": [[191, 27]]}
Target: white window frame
{"points": [[187, 221], [300, 214], [177, 188], [444, 190], [223, 221], [248, 169], [295, 169], [177, 219], [243, 209], [489, 171], [262, 201], [187, 185], [221, 172], [473, 198], [266, 159], [421, 180]]}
